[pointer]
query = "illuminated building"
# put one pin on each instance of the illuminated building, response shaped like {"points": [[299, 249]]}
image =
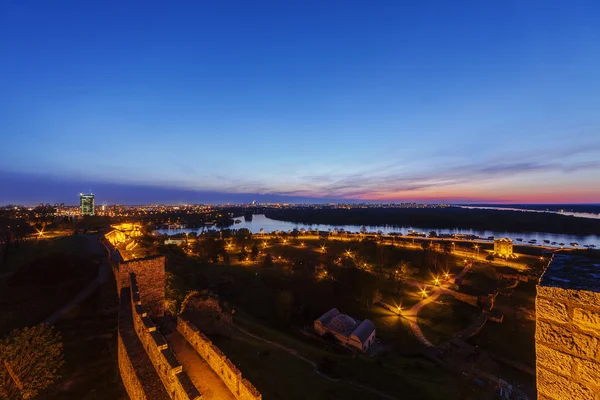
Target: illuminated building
{"points": [[503, 247], [86, 203]]}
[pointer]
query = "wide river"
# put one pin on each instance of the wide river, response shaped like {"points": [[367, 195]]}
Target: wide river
{"points": [[269, 225]]}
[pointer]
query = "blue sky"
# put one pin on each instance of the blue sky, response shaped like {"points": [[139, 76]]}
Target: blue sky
{"points": [[478, 101]]}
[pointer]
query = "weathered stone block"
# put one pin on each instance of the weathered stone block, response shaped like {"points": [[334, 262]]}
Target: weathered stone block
{"points": [[554, 360], [552, 310], [559, 336], [587, 320], [581, 297], [589, 371], [560, 388]]}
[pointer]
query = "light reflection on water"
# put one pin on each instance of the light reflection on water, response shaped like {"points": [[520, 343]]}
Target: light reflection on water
{"points": [[259, 222]]}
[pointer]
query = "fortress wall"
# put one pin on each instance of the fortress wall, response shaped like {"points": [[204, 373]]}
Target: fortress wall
{"points": [[567, 344], [130, 378], [150, 277], [176, 382], [241, 388]]}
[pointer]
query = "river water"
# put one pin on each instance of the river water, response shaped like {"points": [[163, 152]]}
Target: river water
{"points": [[259, 222]]}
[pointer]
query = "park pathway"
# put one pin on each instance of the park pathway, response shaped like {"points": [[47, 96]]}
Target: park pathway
{"points": [[412, 314], [201, 374]]}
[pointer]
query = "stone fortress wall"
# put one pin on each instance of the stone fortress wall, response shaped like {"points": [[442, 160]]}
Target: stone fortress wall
{"points": [[241, 388], [150, 276], [149, 368], [567, 334], [176, 382]]}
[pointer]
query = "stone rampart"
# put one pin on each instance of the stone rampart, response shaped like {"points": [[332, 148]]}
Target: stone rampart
{"points": [[176, 382], [130, 379], [241, 388], [568, 330], [150, 276]]}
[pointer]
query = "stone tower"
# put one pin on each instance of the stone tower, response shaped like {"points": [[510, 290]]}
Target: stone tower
{"points": [[567, 336]]}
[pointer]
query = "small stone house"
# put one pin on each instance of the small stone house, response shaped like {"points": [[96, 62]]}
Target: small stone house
{"points": [[347, 330]]}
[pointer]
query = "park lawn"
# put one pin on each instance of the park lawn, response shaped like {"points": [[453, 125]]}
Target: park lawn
{"points": [[89, 338], [281, 375], [445, 317], [512, 339], [55, 271]]}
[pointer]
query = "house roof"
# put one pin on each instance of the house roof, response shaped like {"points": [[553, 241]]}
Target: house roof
{"points": [[342, 324], [364, 330]]}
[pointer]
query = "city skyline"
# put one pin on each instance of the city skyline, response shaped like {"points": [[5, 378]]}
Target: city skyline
{"points": [[301, 102]]}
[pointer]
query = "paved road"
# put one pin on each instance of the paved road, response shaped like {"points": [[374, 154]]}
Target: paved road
{"points": [[204, 378]]}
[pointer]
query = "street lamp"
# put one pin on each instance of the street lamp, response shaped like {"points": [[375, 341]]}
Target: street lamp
{"points": [[477, 249], [423, 293]]}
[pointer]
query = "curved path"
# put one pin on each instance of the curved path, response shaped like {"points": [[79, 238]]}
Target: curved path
{"points": [[412, 314]]}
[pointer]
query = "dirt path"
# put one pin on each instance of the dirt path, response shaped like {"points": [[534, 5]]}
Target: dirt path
{"points": [[201, 374]]}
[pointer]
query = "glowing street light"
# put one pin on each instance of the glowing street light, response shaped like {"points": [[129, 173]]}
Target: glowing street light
{"points": [[477, 249], [447, 275], [436, 280], [423, 293], [323, 249], [302, 244]]}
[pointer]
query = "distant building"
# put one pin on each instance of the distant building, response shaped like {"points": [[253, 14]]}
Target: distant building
{"points": [[86, 203], [503, 247], [347, 330]]}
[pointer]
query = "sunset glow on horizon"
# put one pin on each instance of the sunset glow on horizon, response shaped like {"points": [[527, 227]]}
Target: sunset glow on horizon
{"points": [[301, 102]]}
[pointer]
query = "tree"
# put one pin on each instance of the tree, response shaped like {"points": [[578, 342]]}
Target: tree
{"points": [[205, 311], [30, 361], [268, 261], [254, 253]]}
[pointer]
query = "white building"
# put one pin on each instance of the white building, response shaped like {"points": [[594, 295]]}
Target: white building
{"points": [[347, 330]]}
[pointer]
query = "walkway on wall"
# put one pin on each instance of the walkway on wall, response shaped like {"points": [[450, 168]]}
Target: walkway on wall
{"points": [[206, 381]]}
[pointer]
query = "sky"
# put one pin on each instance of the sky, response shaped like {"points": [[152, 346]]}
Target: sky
{"points": [[300, 101]]}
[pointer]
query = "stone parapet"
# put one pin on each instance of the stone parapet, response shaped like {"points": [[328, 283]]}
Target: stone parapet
{"points": [[170, 372], [241, 388], [568, 330]]}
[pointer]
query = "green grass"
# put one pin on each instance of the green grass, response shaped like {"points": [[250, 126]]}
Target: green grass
{"points": [[277, 374], [445, 317], [51, 273]]}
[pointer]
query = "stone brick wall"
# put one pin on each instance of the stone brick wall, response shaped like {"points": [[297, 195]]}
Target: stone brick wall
{"points": [[241, 388], [128, 375], [150, 276], [176, 382], [567, 343]]}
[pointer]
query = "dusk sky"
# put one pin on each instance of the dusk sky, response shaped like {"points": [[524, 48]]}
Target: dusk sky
{"points": [[215, 101]]}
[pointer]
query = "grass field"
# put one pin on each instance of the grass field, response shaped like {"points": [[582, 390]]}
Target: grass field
{"points": [[47, 274], [278, 374], [445, 317]]}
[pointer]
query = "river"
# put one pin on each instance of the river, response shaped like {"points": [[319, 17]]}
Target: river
{"points": [[259, 222]]}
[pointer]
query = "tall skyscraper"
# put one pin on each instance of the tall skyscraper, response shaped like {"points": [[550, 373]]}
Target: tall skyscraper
{"points": [[86, 202]]}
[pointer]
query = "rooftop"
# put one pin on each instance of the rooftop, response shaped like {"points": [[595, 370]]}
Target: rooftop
{"points": [[572, 272]]}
